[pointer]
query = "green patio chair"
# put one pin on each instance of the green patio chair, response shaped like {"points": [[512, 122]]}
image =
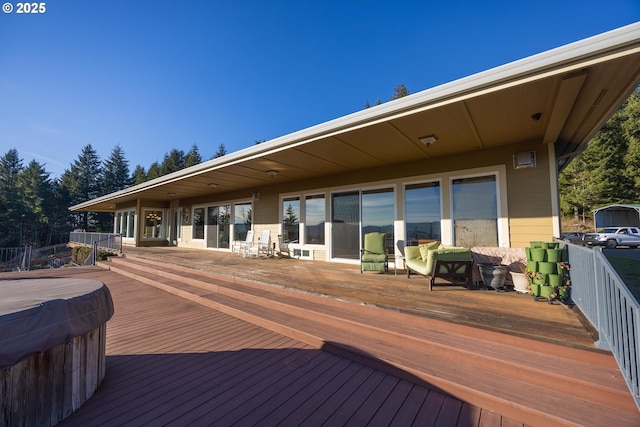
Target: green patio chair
{"points": [[374, 253]]}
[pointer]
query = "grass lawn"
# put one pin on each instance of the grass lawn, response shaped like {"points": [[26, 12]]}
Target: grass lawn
{"points": [[629, 271]]}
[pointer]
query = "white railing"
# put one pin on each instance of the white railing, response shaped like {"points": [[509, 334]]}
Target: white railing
{"points": [[606, 302]]}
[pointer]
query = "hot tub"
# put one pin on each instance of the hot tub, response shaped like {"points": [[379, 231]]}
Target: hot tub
{"points": [[52, 347]]}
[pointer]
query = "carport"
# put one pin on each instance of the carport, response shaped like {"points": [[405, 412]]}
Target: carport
{"points": [[618, 215]]}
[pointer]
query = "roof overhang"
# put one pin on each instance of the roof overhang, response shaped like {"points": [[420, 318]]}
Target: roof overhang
{"points": [[562, 96]]}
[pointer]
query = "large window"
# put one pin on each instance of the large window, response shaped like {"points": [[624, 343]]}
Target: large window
{"points": [[198, 223], [153, 225], [131, 223], [212, 227], [124, 223], [314, 220], [378, 214], [475, 211], [118, 222], [224, 221], [422, 212], [291, 219], [242, 221]]}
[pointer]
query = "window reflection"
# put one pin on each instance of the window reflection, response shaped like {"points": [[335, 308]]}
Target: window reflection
{"points": [[291, 219], [422, 212], [314, 220], [198, 223], [475, 211], [378, 214], [153, 228]]}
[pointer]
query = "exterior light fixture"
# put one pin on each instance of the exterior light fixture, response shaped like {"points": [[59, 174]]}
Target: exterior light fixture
{"points": [[428, 140], [212, 185], [172, 195], [272, 173]]}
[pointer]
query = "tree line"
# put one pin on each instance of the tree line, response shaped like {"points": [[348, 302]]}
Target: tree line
{"points": [[34, 208], [608, 170]]}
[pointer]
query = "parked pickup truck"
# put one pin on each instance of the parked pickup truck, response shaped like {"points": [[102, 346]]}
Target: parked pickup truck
{"points": [[610, 237]]}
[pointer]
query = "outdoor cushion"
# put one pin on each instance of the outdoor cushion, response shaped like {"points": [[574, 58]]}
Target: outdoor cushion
{"points": [[445, 253], [367, 257], [426, 247], [374, 253]]}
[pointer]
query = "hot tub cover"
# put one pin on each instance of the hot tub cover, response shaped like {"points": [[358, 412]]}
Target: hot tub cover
{"points": [[37, 314]]}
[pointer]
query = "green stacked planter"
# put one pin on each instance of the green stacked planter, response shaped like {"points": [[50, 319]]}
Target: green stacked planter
{"points": [[542, 260]]}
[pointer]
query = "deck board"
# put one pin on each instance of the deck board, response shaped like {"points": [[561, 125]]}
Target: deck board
{"points": [[172, 361], [505, 312]]}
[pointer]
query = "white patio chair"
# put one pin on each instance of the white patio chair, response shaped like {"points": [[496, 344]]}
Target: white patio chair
{"points": [[239, 246], [262, 247]]}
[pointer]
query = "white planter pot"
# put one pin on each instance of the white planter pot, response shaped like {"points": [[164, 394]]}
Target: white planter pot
{"points": [[520, 282]]}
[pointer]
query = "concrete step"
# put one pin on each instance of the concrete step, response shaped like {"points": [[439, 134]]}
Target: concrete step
{"points": [[538, 383]]}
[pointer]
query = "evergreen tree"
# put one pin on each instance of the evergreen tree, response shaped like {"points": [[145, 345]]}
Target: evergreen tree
{"points": [[193, 157], [606, 172], [114, 177], [61, 220], [222, 150], [82, 182], [115, 172], [631, 132], [399, 91], [155, 171], [11, 206], [139, 175], [173, 162], [37, 191]]}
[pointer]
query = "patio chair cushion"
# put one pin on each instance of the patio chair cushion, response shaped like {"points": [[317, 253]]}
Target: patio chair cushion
{"points": [[426, 247], [444, 253], [374, 254]]}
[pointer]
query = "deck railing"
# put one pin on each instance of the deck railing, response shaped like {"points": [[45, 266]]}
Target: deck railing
{"points": [[106, 241], [607, 303], [15, 259]]}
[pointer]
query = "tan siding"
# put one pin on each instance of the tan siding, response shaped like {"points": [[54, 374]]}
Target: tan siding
{"points": [[529, 196]]}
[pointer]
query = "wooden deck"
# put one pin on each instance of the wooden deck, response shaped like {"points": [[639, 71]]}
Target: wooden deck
{"points": [[174, 362], [229, 342], [505, 312]]}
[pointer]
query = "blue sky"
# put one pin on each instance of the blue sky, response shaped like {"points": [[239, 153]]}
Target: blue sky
{"points": [[156, 75]]}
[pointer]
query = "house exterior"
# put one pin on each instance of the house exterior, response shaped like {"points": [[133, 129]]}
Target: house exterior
{"points": [[473, 162]]}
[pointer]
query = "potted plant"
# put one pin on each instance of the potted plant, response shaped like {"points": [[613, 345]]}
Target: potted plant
{"points": [[493, 275], [519, 278]]}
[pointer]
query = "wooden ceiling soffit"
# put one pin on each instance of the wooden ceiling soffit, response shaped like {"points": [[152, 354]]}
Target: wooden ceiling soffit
{"points": [[565, 98], [351, 158], [381, 141], [464, 108], [605, 102], [296, 159]]}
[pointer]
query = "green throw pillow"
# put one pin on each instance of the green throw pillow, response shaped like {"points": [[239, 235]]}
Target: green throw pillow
{"points": [[426, 247]]}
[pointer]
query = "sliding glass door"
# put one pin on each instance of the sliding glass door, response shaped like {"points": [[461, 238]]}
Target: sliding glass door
{"points": [[378, 214], [345, 225], [355, 213]]}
